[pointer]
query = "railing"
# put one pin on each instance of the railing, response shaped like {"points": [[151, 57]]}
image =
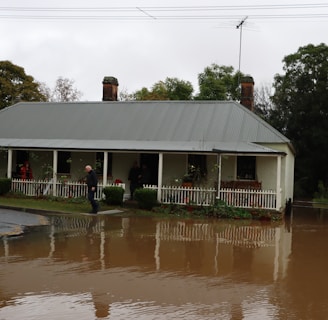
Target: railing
{"points": [[186, 195], [65, 189], [242, 198]]}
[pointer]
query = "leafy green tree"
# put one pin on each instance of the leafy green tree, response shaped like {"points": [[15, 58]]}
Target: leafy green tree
{"points": [[178, 89], [16, 85], [219, 83], [170, 89], [300, 111]]}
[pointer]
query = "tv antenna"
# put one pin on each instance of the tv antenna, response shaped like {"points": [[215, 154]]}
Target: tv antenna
{"points": [[240, 27]]}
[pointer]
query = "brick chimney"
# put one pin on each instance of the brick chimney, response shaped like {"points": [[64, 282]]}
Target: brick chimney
{"points": [[110, 85], [247, 92]]}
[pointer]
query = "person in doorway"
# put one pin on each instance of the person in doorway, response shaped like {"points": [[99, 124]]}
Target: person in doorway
{"points": [[92, 183], [134, 178], [26, 171], [145, 175]]}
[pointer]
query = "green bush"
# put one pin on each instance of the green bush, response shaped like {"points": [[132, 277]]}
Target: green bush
{"points": [[113, 195], [5, 185], [322, 192], [146, 198]]}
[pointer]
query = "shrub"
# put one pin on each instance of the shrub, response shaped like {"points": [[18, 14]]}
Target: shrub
{"points": [[146, 198], [113, 195], [322, 192], [5, 185]]}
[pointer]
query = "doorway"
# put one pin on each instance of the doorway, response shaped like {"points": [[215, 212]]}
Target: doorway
{"points": [[151, 161]]}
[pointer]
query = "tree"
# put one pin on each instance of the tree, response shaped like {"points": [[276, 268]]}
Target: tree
{"points": [[64, 91], [45, 90], [179, 89], [124, 95], [219, 83], [263, 101], [170, 89], [16, 85], [301, 113]]}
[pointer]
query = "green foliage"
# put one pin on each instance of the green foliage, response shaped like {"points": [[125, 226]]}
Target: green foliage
{"points": [[170, 89], [300, 112], [215, 83], [146, 198], [218, 83], [218, 210], [322, 193], [5, 185], [113, 195], [221, 210], [16, 85]]}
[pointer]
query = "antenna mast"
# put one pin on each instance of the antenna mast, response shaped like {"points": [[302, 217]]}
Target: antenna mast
{"points": [[240, 27]]}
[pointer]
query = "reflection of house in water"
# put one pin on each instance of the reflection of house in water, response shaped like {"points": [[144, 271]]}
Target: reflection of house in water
{"points": [[227, 243], [205, 248], [247, 236], [202, 247], [111, 258]]}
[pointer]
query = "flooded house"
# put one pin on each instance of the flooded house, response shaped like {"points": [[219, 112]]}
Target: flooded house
{"points": [[196, 151]]}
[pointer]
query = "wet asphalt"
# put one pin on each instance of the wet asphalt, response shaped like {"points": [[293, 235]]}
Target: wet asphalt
{"points": [[14, 221]]}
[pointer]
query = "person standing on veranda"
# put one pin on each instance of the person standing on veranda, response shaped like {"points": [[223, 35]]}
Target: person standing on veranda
{"points": [[92, 183], [134, 178]]}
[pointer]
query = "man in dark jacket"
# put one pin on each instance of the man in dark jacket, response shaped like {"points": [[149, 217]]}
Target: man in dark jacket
{"points": [[134, 178], [92, 182]]}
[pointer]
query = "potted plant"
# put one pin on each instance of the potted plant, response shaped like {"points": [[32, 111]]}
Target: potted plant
{"points": [[187, 180], [193, 177]]}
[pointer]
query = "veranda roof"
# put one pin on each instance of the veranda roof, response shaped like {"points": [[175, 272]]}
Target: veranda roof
{"points": [[186, 126]]}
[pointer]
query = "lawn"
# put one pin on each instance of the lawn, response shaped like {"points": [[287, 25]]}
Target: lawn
{"points": [[80, 205], [49, 204]]}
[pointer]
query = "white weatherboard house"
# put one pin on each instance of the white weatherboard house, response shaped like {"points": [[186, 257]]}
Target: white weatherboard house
{"points": [[230, 153]]}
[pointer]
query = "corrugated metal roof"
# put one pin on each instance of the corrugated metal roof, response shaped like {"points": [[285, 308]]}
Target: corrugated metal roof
{"points": [[115, 145], [136, 125]]}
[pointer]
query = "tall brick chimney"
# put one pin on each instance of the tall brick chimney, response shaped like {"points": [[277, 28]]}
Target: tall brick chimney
{"points": [[110, 85], [247, 92]]}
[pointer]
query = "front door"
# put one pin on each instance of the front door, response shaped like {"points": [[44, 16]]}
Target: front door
{"points": [[151, 161]]}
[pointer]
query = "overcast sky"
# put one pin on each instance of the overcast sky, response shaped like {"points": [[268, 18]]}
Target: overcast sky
{"points": [[143, 41]]}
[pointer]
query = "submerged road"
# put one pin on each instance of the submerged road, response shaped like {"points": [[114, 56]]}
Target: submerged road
{"points": [[13, 222]]}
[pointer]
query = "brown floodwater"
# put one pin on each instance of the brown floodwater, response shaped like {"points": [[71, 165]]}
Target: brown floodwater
{"points": [[114, 267]]}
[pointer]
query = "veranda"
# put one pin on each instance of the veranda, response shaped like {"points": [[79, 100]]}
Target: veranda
{"points": [[241, 198]]}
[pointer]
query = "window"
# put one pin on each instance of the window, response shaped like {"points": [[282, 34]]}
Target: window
{"points": [[64, 162], [246, 168], [100, 163]]}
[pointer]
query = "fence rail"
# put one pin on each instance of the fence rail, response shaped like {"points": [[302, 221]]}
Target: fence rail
{"points": [[242, 198], [67, 189], [186, 195]]}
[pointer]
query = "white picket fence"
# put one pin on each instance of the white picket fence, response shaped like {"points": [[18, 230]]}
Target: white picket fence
{"points": [[186, 195], [66, 189], [243, 198]]}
